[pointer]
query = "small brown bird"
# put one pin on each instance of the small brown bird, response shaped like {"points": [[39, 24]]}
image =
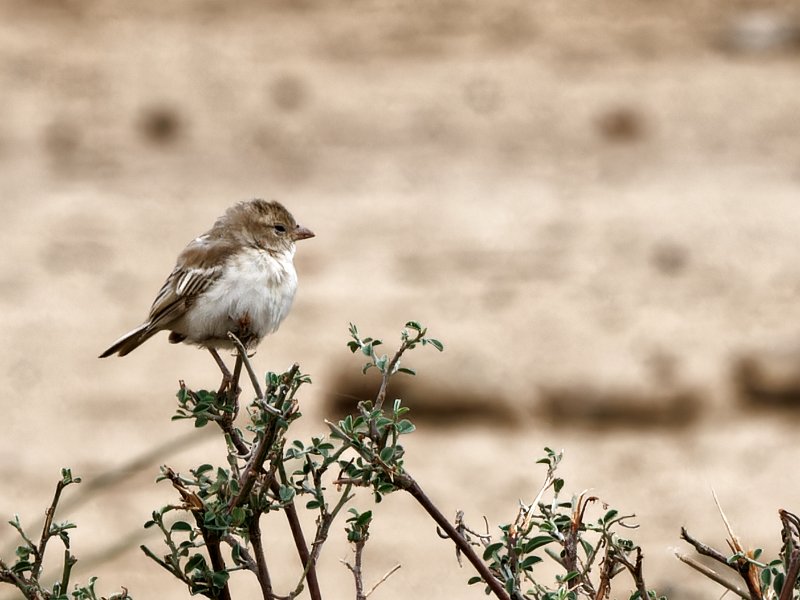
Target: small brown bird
{"points": [[238, 277]]}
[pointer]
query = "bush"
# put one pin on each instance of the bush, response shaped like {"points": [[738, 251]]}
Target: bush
{"points": [[214, 532]]}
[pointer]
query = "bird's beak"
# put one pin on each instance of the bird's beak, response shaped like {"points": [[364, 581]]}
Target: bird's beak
{"points": [[302, 233]]}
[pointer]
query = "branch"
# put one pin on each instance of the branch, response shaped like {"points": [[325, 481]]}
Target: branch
{"points": [[195, 506], [743, 571], [712, 575], [389, 573], [406, 482], [790, 533], [246, 558], [390, 368], [48, 523], [791, 575], [259, 455], [69, 562], [300, 543], [606, 573], [262, 572], [635, 571], [8, 575], [355, 569], [242, 354]]}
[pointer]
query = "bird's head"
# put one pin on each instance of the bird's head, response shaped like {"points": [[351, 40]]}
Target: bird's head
{"points": [[266, 224]]}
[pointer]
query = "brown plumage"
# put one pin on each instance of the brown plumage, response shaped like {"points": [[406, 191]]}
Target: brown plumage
{"points": [[237, 277]]}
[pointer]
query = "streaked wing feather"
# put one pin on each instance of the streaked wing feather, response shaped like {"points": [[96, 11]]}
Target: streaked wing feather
{"points": [[200, 264], [178, 291]]}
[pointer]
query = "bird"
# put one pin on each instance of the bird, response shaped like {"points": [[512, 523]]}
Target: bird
{"points": [[238, 277]]}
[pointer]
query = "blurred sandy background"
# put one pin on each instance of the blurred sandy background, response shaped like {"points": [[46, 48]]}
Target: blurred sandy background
{"points": [[594, 205]]}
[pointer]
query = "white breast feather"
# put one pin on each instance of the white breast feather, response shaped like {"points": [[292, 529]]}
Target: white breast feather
{"points": [[254, 284]]}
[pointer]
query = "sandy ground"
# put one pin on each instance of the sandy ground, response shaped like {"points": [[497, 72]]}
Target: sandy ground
{"points": [[593, 204]]}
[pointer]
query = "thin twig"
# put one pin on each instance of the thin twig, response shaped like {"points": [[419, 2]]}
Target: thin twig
{"points": [[242, 353], [48, 523], [226, 374], [705, 550], [737, 566], [225, 421], [390, 369], [790, 534], [712, 575], [526, 512], [746, 568], [234, 390], [406, 482], [248, 561], [300, 543], [254, 531], [324, 523], [259, 455], [69, 562], [217, 562], [570, 542], [22, 586], [791, 575], [178, 573], [606, 573], [736, 545], [355, 568], [388, 574], [195, 506], [635, 571]]}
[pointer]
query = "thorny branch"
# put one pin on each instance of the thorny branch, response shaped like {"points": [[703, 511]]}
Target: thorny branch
{"points": [[741, 569]]}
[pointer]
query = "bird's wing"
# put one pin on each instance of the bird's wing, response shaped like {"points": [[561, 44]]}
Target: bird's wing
{"points": [[199, 265]]}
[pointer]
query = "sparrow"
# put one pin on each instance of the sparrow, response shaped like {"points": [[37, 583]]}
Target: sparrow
{"points": [[238, 277]]}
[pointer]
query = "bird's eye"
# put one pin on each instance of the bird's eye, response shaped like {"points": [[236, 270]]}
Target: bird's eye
{"points": [[280, 228]]}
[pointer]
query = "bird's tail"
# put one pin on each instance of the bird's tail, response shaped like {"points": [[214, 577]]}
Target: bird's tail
{"points": [[131, 340]]}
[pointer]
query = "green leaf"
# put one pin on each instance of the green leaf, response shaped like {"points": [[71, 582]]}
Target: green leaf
{"points": [[405, 426], [180, 526], [407, 371], [197, 561], [510, 585], [491, 549], [558, 483], [777, 583], [610, 515], [219, 579], [569, 576], [529, 562], [416, 326], [537, 542], [286, 493], [435, 343], [387, 454], [588, 549], [238, 516]]}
